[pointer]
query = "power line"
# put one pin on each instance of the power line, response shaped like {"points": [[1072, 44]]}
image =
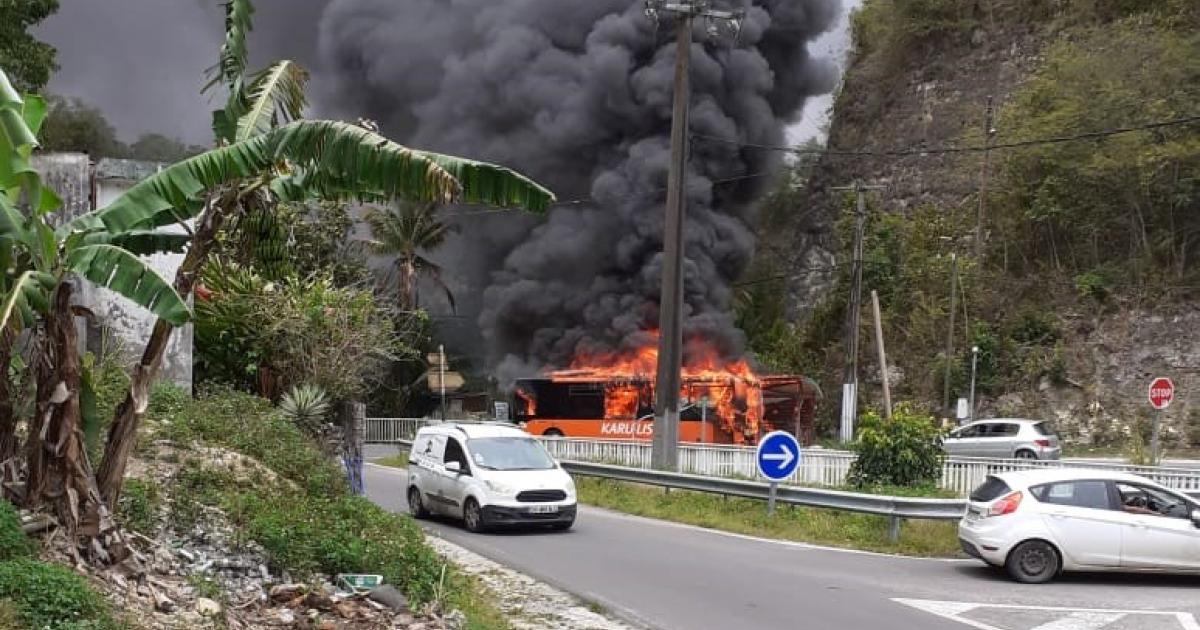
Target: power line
{"points": [[922, 151]]}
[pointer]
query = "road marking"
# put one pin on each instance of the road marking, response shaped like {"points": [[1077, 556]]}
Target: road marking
{"points": [[1081, 621], [1074, 619]]}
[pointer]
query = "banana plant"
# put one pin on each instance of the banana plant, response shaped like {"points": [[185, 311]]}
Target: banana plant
{"points": [[267, 152], [40, 265]]}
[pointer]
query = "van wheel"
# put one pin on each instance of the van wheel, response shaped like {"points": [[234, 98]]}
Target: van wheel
{"points": [[552, 433], [1026, 455], [562, 526], [1033, 562], [415, 506], [473, 517]]}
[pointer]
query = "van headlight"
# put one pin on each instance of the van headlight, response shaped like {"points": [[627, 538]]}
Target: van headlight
{"points": [[500, 488], [570, 486]]}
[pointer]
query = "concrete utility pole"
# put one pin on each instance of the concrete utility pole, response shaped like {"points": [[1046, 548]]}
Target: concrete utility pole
{"points": [[665, 446], [950, 330], [989, 132], [850, 382], [883, 369]]}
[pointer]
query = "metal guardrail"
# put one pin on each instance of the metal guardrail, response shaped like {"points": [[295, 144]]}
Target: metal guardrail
{"points": [[818, 466], [894, 508]]}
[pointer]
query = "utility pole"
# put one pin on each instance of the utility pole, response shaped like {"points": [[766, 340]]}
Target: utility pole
{"points": [[850, 380], [950, 330], [664, 454], [989, 132], [883, 369]]}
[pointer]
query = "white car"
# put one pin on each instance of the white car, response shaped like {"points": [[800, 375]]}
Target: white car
{"points": [[488, 475], [1038, 523]]}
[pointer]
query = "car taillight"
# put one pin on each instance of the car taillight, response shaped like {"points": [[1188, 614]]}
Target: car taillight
{"points": [[1042, 443], [1006, 505]]}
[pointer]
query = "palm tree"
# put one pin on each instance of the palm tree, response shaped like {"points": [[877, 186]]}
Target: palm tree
{"points": [[267, 154], [403, 232]]}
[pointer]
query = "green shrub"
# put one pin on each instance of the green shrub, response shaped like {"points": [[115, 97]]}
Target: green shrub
{"points": [[13, 541], [249, 425], [138, 505], [343, 534], [48, 596], [903, 451]]}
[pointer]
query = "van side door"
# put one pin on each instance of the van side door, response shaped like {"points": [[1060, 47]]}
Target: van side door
{"points": [[425, 468], [454, 483]]}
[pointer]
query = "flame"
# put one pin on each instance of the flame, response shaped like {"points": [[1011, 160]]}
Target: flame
{"points": [[732, 388]]}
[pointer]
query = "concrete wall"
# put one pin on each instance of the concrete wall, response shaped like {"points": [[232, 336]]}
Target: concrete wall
{"points": [[119, 325]]}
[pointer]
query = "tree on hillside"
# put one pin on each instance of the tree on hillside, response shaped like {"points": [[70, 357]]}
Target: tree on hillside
{"points": [[269, 154], [28, 61], [404, 232], [156, 147], [73, 125]]}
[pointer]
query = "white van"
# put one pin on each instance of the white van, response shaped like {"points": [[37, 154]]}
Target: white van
{"points": [[487, 474]]}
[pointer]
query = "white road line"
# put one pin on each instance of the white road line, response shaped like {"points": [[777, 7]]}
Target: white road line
{"points": [[1076, 619], [1081, 621]]}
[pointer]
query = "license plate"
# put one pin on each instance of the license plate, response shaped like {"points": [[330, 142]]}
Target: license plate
{"points": [[543, 509]]}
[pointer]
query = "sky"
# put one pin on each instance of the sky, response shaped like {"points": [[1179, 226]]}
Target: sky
{"points": [[157, 50]]}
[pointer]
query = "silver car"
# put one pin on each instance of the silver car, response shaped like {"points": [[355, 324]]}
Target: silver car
{"points": [[1004, 437]]}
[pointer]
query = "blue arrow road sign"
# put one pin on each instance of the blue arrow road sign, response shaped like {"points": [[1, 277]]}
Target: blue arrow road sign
{"points": [[778, 455]]}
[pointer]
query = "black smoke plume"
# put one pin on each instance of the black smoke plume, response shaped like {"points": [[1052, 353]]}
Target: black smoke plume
{"points": [[577, 94]]}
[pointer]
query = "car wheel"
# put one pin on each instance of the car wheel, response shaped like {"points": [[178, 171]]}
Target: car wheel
{"points": [[1033, 562], [473, 517], [1026, 455], [552, 433], [562, 526], [415, 506]]}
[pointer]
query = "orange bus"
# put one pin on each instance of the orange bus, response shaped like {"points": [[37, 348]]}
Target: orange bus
{"points": [[713, 411]]}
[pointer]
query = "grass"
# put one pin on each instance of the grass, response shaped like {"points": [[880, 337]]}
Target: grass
{"points": [[395, 461], [748, 516]]}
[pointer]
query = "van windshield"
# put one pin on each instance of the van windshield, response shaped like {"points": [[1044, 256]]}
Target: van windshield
{"points": [[509, 453]]}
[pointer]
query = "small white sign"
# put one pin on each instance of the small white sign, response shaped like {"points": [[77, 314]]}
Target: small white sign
{"points": [[501, 409], [963, 411]]}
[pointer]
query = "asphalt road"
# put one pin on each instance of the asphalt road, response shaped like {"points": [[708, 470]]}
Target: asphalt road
{"points": [[676, 577]]}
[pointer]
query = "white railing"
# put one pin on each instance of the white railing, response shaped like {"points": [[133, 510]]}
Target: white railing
{"points": [[818, 466], [388, 430]]}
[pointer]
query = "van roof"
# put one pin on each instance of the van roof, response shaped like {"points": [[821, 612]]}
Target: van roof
{"points": [[472, 430]]}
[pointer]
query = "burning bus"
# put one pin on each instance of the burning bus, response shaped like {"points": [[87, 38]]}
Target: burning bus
{"points": [[613, 398]]}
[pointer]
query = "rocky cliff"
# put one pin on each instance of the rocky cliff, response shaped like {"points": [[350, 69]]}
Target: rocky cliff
{"points": [[1071, 327]]}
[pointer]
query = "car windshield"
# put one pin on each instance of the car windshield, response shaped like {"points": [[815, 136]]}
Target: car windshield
{"points": [[989, 490], [509, 453]]}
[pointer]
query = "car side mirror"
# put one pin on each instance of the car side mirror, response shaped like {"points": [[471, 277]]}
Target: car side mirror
{"points": [[1196, 518], [454, 467]]}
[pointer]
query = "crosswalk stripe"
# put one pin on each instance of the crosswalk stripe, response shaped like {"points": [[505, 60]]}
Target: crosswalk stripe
{"points": [[1081, 621]]}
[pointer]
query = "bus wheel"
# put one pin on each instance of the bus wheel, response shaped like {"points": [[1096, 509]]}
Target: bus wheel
{"points": [[552, 433]]}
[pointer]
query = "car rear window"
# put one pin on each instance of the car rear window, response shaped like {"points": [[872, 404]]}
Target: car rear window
{"points": [[1043, 429], [990, 490]]}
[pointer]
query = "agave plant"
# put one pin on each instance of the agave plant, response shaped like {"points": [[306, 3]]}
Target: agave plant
{"points": [[307, 406]]}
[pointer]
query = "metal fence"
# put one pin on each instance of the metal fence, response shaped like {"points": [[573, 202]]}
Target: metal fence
{"points": [[818, 466], [391, 430]]}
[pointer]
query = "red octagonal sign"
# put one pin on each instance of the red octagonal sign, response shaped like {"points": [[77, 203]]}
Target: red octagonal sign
{"points": [[1162, 392]]}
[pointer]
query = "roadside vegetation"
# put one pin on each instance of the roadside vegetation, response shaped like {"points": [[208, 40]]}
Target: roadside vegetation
{"points": [[302, 514], [748, 516]]}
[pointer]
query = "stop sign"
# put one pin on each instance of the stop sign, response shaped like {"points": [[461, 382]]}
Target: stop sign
{"points": [[1162, 391]]}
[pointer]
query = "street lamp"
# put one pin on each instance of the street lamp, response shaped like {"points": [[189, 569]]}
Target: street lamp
{"points": [[974, 361]]}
